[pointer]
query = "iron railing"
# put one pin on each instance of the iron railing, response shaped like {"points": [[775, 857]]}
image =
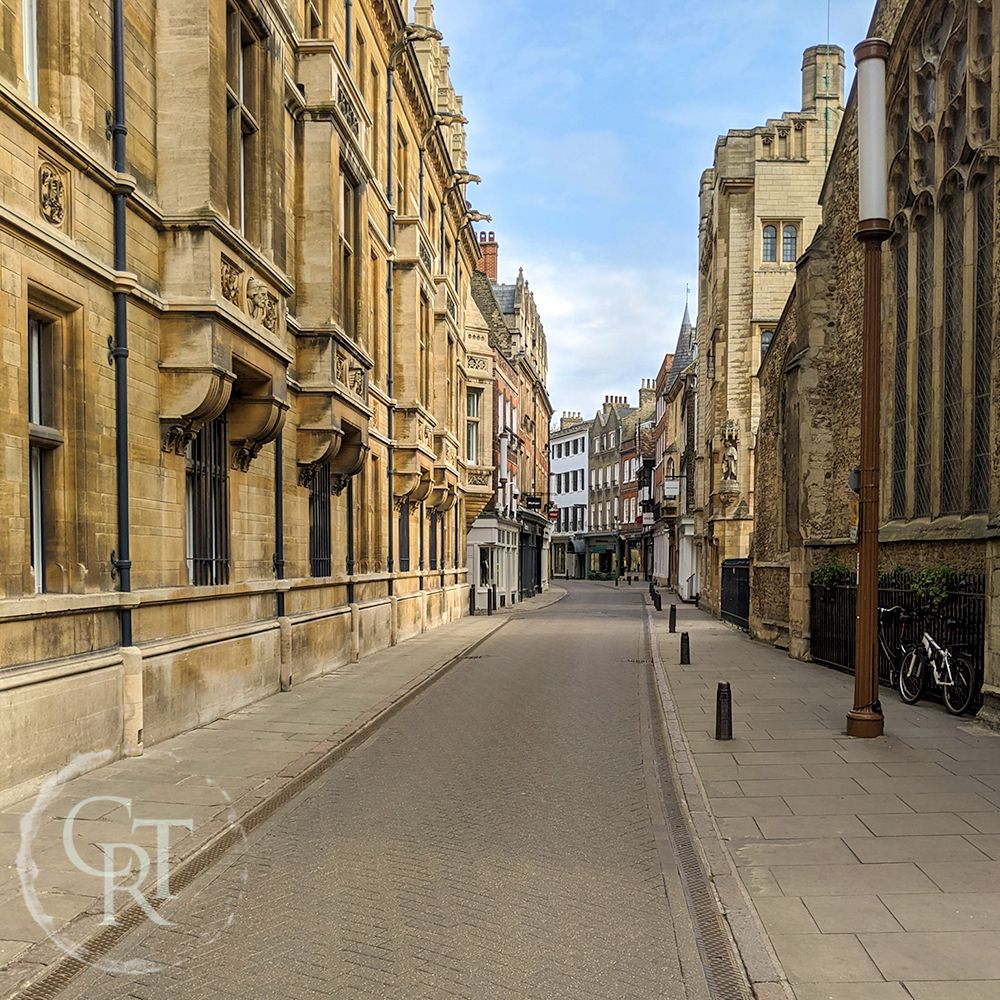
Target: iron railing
{"points": [[957, 622], [736, 592]]}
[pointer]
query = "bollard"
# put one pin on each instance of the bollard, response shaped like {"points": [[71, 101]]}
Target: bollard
{"points": [[673, 618], [685, 648], [491, 600], [630, 581], [724, 712], [658, 600], [472, 600], [616, 579]]}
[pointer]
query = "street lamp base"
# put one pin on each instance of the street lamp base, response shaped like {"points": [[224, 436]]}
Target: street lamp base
{"points": [[865, 725]]}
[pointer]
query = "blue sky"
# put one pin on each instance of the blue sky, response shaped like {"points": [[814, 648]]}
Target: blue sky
{"points": [[591, 123]]}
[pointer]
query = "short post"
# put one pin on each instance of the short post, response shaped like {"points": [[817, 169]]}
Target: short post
{"points": [[491, 600], [658, 597], [685, 649], [616, 579], [472, 599], [630, 580], [724, 712], [673, 617]]}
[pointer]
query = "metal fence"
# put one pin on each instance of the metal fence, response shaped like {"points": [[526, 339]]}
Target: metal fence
{"points": [[958, 622], [736, 592]]}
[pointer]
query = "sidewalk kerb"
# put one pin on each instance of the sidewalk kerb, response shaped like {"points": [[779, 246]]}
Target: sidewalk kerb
{"points": [[753, 946]]}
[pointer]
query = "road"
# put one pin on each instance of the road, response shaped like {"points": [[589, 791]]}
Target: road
{"points": [[497, 838]]}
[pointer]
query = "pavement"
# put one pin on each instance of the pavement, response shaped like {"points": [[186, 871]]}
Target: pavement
{"points": [[220, 776], [873, 865], [500, 837]]}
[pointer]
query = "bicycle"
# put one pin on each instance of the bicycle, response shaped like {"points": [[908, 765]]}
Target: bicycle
{"points": [[952, 671], [887, 618]]}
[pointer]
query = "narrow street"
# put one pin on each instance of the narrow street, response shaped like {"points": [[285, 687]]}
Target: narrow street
{"points": [[496, 838]]}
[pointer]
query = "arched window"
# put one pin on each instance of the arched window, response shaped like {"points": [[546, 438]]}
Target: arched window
{"points": [[770, 244], [790, 244], [766, 336], [901, 364]]}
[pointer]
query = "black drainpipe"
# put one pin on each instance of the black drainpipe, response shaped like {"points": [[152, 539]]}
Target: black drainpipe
{"points": [[279, 521], [390, 470], [121, 560]]}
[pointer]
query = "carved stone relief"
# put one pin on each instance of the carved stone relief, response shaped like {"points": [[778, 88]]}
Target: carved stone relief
{"points": [[232, 280], [53, 201]]}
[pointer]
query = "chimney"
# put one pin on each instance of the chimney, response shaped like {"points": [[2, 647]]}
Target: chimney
{"points": [[822, 78], [490, 248], [647, 392]]}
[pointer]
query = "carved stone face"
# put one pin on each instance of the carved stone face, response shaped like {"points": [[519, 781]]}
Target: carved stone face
{"points": [[257, 299]]}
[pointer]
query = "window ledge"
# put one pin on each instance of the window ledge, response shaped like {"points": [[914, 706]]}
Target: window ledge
{"points": [[42, 605], [944, 529]]}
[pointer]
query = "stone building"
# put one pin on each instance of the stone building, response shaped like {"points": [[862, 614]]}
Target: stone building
{"points": [[569, 456], [602, 556], [759, 208], [676, 551], [240, 358], [940, 484], [636, 461]]}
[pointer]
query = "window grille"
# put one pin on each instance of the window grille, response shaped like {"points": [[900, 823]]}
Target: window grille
{"points": [[900, 378], [434, 539], [790, 244], [951, 444], [770, 250], [404, 537], [979, 486], [925, 356], [207, 506], [320, 533]]}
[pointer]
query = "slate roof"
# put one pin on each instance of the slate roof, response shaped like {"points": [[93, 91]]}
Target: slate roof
{"points": [[505, 297], [684, 353]]}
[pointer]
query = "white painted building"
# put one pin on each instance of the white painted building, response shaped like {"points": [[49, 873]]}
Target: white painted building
{"points": [[569, 451]]}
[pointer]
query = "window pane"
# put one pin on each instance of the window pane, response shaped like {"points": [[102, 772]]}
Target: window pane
{"points": [[37, 522], [790, 245], [35, 364], [770, 244], [30, 39]]}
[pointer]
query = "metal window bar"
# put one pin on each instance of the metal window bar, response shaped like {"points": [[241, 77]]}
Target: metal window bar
{"points": [[979, 479], [434, 540], [404, 537], [925, 352], [208, 501], [953, 404], [320, 521], [902, 359]]}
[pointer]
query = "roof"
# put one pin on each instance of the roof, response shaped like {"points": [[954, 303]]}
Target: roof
{"points": [[506, 295], [684, 352]]}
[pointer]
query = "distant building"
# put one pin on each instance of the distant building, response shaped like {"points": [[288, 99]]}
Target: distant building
{"points": [[569, 456]]}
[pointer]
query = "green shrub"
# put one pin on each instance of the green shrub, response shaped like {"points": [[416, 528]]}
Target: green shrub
{"points": [[831, 573]]}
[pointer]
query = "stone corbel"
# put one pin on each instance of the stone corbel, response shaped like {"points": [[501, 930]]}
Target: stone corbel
{"points": [[350, 459], [254, 421], [191, 397]]}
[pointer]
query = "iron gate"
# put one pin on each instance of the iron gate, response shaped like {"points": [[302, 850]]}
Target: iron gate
{"points": [[736, 592]]}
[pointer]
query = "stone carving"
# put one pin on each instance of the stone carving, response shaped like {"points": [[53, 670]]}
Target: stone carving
{"points": [[480, 478], [232, 274], [176, 438], [307, 473], [356, 381], [52, 194], [262, 305], [397, 503], [425, 256], [730, 457], [244, 455], [452, 308], [742, 509], [338, 483], [477, 364], [271, 314], [347, 110]]}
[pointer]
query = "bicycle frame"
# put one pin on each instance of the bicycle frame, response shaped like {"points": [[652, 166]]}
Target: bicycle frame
{"points": [[939, 658]]}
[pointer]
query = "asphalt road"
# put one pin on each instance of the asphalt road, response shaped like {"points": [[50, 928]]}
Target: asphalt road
{"points": [[499, 837]]}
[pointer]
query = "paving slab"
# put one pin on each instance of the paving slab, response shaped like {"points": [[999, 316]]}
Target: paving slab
{"points": [[851, 915], [945, 956], [830, 958], [946, 911]]}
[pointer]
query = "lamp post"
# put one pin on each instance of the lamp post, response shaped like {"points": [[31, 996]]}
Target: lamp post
{"points": [[865, 720]]}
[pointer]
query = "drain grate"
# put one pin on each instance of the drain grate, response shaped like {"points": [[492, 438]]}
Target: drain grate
{"points": [[636, 660], [724, 973]]}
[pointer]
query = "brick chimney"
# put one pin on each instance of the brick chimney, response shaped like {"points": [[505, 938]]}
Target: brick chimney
{"points": [[490, 248]]}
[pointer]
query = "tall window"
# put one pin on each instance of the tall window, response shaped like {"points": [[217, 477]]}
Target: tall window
{"points": [[952, 458], [790, 244], [375, 135], [979, 486], [404, 537], [43, 438], [242, 101], [29, 32], [770, 248], [433, 532], [472, 399], [766, 336], [425, 351], [925, 358], [313, 20], [402, 174], [348, 254], [900, 424], [375, 293], [207, 504], [320, 547]]}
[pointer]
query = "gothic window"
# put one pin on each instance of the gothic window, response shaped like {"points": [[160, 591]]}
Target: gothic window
{"points": [[790, 244], [320, 554], [766, 336], [207, 504], [944, 186], [770, 254]]}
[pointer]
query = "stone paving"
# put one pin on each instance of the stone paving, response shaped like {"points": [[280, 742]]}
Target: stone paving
{"points": [[212, 776], [873, 864]]}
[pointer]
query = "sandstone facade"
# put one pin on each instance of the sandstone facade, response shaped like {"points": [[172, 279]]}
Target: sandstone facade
{"points": [[302, 346]]}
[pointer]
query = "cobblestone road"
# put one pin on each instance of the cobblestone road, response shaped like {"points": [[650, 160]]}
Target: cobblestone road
{"points": [[494, 840]]}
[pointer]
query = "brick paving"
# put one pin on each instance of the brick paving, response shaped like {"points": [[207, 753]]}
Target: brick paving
{"points": [[496, 838], [873, 864]]}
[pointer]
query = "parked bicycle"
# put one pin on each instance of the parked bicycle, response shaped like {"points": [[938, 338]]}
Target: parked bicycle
{"points": [[950, 669]]}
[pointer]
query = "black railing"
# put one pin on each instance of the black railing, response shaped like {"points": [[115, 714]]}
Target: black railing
{"points": [[957, 621], [736, 592]]}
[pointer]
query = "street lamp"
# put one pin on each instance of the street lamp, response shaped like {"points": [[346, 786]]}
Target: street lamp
{"points": [[865, 720]]}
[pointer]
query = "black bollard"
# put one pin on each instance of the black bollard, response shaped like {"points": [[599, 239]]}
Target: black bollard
{"points": [[724, 712], [673, 617], [630, 581], [491, 599], [616, 579], [685, 648], [658, 597], [472, 600]]}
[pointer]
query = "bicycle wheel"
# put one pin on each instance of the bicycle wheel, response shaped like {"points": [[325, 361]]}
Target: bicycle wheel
{"points": [[958, 696], [912, 677]]}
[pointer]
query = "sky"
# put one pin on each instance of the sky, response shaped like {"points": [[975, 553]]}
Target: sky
{"points": [[590, 122]]}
